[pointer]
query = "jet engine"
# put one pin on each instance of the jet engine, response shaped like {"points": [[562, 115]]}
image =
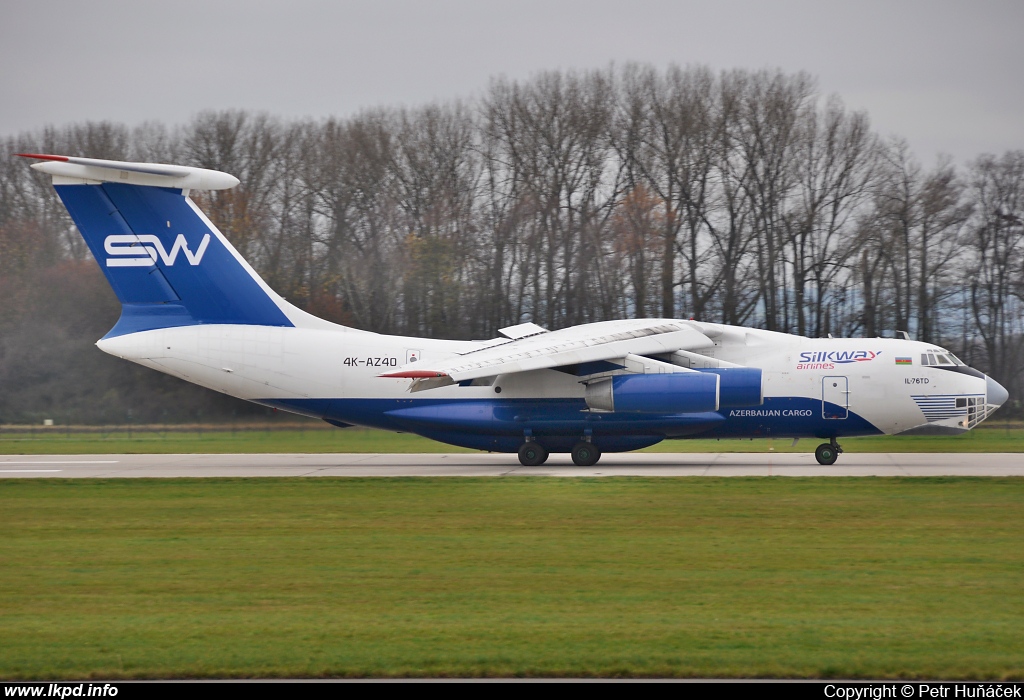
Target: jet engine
{"points": [[682, 392], [678, 392], [740, 386]]}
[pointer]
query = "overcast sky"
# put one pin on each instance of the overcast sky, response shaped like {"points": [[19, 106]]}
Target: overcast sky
{"points": [[947, 76]]}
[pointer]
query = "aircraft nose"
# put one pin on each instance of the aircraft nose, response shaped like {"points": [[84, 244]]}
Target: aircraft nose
{"points": [[997, 395]]}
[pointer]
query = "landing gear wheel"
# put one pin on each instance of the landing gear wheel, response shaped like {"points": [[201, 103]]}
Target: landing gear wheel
{"points": [[826, 454], [532, 455], [584, 454]]}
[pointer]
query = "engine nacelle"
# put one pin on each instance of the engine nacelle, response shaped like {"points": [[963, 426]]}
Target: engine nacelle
{"points": [[740, 386], [680, 392]]}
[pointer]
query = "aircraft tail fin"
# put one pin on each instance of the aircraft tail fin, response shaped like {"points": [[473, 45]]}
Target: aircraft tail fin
{"points": [[165, 260]]}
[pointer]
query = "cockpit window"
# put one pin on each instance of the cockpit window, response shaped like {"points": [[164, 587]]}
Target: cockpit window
{"points": [[931, 359]]}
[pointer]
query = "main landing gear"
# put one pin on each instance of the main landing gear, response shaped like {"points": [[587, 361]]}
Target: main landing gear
{"points": [[828, 452], [584, 454], [532, 455]]}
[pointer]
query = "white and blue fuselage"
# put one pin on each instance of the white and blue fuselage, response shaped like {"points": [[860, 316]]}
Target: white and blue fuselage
{"points": [[821, 388]]}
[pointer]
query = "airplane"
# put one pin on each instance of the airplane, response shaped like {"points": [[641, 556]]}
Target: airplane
{"points": [[193, 308]]}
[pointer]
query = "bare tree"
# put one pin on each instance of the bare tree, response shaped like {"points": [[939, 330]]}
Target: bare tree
{"points": [[921, 215], [834, 168], [996, 241], [772, 105]]}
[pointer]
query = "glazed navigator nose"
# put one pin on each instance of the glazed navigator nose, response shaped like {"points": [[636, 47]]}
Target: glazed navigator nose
{"points": [[997, 395]]}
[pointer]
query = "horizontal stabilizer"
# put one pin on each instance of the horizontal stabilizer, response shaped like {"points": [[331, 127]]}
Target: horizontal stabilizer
{"points": [[72, 170]]}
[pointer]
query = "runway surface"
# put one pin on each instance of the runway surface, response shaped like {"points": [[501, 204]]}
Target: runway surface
{"points": [[384, 465]]}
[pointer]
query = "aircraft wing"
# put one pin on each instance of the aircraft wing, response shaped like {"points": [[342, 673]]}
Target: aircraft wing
{"points": [[579, 345]]}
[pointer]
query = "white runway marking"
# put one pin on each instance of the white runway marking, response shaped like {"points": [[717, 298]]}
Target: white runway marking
{"points": [[68, 461], [24, 471]]}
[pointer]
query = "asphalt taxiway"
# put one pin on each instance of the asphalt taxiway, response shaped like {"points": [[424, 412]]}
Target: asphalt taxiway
{"points": [[404, 465]]}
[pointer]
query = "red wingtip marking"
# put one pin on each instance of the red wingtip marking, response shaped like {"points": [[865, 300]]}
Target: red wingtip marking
{"points": [[43, 156], [413, 374]]}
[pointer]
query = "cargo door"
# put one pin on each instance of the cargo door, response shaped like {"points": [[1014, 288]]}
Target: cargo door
{"points": [[835, 398]]}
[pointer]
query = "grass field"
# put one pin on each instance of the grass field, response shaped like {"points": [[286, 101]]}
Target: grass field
{"points": [[990, 438], [830, 577], [218, 441]]}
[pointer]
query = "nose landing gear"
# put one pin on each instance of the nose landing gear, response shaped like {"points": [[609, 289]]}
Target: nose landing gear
{"points": [[828, 452]]}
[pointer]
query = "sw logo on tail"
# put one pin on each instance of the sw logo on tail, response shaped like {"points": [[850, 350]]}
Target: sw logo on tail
{"points": [[144, 250]]}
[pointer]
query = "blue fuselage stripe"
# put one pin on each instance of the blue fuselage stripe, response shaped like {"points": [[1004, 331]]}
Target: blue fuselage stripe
{"points": [[501, 424]]}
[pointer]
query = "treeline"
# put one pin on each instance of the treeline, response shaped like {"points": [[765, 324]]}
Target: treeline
{"points": [[744, 197]]}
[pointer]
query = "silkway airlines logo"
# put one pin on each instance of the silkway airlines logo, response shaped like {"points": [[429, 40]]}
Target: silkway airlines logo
{"points": [[829, 360], [144, 251]]}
